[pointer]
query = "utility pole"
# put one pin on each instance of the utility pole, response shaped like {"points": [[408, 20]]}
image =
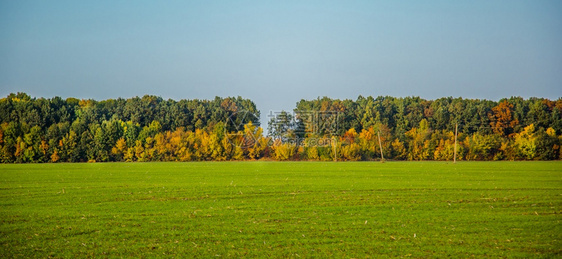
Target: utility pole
{"points": [[456, 132], [380, 145], [335, 148]]}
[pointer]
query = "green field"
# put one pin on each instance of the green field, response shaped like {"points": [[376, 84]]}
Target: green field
{"points": [[282, 209]]}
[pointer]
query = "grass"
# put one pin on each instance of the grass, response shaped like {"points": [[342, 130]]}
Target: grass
{"points": [[281, 209]]}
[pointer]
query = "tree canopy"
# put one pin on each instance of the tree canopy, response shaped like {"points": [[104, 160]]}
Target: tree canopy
{"points": [[149, 128]]}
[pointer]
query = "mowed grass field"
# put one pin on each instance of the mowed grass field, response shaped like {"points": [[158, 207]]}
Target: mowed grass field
{"points": [[282, 209]]}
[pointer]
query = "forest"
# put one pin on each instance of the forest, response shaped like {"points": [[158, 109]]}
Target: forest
{"points": [[149, 128]]}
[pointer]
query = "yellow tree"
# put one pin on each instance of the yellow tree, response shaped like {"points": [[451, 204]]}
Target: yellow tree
{"points": [[367, 141], [129, 155], [55, 156], [419, 145], [283, 151], [216, 148], [445, 150], [350, 150], [150, 152], [312, 153], [525, 141], [185, 141], [255, 143], [202, 146], [118, 151], [163, 149], [228, 148], [398, 150], [138, 150], [44, 148]]}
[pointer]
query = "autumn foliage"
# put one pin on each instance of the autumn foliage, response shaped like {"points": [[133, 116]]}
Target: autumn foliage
{"points": [[151, 129]]}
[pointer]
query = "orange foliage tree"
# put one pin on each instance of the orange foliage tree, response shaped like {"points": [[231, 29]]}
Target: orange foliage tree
{"points": [[502, 119]]}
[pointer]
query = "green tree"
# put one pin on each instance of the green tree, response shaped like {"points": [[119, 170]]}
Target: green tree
{"points": [[547, 144]]}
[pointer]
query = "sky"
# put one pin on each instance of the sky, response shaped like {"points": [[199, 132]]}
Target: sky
{"points": [[279, 52]]}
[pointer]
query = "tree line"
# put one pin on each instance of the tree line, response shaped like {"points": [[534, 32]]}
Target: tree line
{"points": [[413, 128], [35, 130], [73, 130]]}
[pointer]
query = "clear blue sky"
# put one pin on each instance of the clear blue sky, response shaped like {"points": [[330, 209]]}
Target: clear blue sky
{"points": [[278, 52]]}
